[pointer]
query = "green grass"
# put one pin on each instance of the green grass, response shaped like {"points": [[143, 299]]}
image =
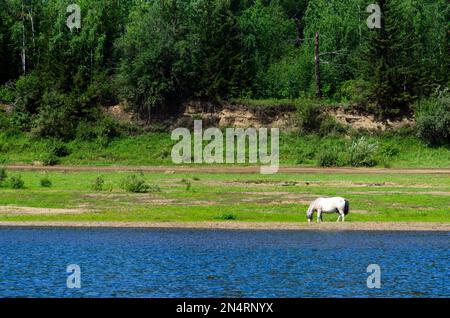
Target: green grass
{"points": [[218, 197], [155, 149]]}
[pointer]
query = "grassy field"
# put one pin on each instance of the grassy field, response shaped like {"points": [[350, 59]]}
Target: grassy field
{"points": [[215, 197], [155, 149]]}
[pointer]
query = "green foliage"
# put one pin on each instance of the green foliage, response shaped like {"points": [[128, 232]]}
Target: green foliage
{"points": [[55, 150], [433, 121], [56, 117], [98, 184], [103, 130], [28, 93], [58, 148], [227, 217], [50, 159], [328, 158], [260, 24], [359, 153], [398, 59], [187, 183], [362, 153], [16, 182], [3, 174], [5, 123], [137, 184], [355, 92], [57, 78], [152, 69], [7, 94], [309, 117], [45, 182], [330, 126]]}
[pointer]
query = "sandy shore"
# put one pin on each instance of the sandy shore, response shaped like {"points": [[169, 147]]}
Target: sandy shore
{"points": [[233, 225]]}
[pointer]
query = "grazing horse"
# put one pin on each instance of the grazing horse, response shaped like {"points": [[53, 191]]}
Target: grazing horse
{"points": [[328, 205]]}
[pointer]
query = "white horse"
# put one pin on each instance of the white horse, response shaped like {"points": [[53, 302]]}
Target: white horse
{"points": [[328, 205]]}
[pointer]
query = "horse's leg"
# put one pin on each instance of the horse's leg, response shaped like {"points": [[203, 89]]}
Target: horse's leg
{"points": [[341, 215], [319, 215]]}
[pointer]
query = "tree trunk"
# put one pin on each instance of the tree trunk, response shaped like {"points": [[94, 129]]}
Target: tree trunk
{"points": [[317, 65], [23, 53]]}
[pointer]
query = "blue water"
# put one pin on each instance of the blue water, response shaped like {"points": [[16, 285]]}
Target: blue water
{"points": [[205, 263]]}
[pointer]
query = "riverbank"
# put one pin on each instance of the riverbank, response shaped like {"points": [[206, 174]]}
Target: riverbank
{"points": [[235, 225]]}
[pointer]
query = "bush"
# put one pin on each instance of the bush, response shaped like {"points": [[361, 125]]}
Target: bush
{"points": [[45, 182], [50, 159], [28, 93], [56, 150], [433, 121], [105, 129], [4, 121], [7, 94], [137, 184], [362, 153], [310, 117], [102, 130], [3, 174], [227, 216], [59, 149], [327, 158], [330, 126], [16, 182], [98, 183], [55, 118], [355, 92]]}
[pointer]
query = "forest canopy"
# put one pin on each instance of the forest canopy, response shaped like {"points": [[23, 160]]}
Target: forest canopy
{"points": [[156, 54]]}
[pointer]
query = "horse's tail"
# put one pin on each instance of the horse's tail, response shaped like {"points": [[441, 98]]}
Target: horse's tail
{"points": [[346, 207]]}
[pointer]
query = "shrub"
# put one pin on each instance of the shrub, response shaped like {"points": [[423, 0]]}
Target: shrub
{"points": [[355, 92], [328, 158], [137, 184], [227, 216], [20, 120], [28, 92], [309, 117], [59, 149], [55, 118], [433, 121], [45, 182], [49, 159], [3, 174], [56, 150], [7, 94], [4, 121], [98, 183], [362, 153], [16, 182], [103, 129], [330, 126]]}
